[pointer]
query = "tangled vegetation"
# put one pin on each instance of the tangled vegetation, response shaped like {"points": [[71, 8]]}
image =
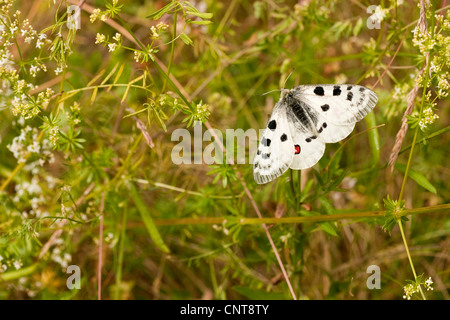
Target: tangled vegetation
{"points": [[91, 93]]}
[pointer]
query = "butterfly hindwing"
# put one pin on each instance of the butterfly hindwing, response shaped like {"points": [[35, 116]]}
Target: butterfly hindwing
{"points": [[308, 151], [275, 151], [329, 132], [341, 104]]}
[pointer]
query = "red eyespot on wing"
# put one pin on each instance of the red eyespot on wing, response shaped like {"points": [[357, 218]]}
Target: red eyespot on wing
{"points": [[297, 149]]}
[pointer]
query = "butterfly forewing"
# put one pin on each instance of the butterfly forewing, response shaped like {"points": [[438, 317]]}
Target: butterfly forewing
{"points": [[341, 103], [275, 151]]}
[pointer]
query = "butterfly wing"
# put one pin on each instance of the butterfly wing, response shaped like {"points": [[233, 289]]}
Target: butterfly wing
{"points": [[306, 118], [307, 151], [330, 132], [343, 104], [275, 151]]}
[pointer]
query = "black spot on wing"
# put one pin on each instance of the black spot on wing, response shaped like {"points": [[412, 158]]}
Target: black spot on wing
{"points": [[349, 87], [336, 90], [283, 137], [325, 107], [272, 125], [319, 91], [362, 89], [266, 155], [324, 125], [266, 142], [349, 96]]}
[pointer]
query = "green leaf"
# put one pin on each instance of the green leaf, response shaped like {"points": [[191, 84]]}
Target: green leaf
{"points": [[393, 208], [329, 228], [358, 27], [186, 39], [417, 177], [203, 15], [374, 139], [148, 220], [198, 22], [259, 8], [329, 209], [158, 14], [17, 274], [259, 294]]}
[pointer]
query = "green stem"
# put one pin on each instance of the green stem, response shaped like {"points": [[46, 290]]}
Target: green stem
{"points": [[299, 180], [123, 228], [172, 48], [408, 165], [405, 178], [291, 182], [342, 214], [409, 257], [161, 71]]}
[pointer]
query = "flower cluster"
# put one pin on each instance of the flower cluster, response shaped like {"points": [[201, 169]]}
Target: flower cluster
{"points": [[27, 143], [112, 46], [155, 31], [59, 256], [203, 112], [428, 117], [27, 106], [112, 10], [5, 264], [24, 144], [409, 290], [414, 287], [98, 14]]}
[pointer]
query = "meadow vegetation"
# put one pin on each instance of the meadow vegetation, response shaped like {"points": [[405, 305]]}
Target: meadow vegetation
{"points": [[88, 104]]}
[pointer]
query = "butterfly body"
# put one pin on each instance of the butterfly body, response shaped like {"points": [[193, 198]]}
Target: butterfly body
{"points": [[303, 120]]}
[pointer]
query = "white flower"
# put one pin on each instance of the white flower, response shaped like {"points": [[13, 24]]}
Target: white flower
{"points": [[17, 264], [154, 34], [429, 117], [100, 38], [58, 70], [35, 147], [117, 37], [428, 284], [137, 56], [112, 47], [39, 44], [162, 26]]}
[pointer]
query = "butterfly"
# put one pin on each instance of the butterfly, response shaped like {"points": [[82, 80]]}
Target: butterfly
{"points": [[304, 119]]}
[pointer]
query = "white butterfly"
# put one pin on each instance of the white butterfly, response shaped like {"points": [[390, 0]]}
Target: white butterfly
{"points": [[304, 119]]}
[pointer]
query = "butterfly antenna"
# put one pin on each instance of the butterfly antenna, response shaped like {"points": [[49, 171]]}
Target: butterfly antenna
{"points": [[284, 85], [269, 92]]}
